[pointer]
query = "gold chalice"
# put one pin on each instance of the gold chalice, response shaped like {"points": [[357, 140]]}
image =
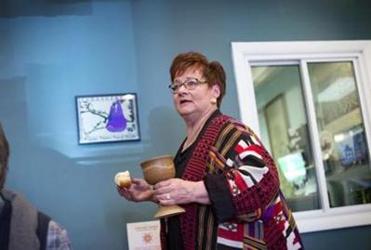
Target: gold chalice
{"points": [[159, 169]]}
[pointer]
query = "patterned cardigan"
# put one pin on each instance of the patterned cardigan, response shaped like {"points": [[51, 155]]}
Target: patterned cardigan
{"points": [[248, 210]]}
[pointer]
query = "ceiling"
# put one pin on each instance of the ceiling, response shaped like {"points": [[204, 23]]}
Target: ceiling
{"points": [[19, 8]]}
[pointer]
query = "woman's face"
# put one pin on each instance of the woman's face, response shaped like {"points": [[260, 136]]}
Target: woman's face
{"points": [[194, 102]]}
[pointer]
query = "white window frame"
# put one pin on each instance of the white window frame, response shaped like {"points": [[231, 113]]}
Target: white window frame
{"points": [[246, 54]]}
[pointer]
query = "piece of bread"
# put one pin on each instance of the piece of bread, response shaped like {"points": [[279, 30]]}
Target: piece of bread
{"points": [[123, 179]]}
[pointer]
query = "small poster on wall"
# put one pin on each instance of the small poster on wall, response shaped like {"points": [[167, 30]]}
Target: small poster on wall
{"points": [[107, 118], [144, 235]]}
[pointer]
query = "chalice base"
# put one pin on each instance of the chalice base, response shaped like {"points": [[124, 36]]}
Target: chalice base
{"points": [[167, 211]]}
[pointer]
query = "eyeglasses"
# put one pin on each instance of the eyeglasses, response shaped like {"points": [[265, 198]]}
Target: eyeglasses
{"points": [[189, 83]]}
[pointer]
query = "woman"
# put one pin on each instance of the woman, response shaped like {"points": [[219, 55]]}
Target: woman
{"points": [[225, 179]]}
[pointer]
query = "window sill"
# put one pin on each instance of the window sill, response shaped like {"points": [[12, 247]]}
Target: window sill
{"points": [[319, 220]]}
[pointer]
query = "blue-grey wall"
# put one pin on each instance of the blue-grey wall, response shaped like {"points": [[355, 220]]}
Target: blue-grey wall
{"points": [[52, 51]]}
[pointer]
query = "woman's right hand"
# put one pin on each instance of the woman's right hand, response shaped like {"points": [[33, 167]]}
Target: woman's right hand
{"points": [[139, 190]]}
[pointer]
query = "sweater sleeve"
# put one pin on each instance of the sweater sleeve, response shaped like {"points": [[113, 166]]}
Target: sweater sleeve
{"points": [[246, 179]]}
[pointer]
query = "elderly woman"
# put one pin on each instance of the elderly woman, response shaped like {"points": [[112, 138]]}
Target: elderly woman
{"points": [[225, 179]]}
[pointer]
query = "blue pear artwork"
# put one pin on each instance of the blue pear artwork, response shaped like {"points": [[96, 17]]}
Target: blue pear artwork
{"points": [[116, 119]]}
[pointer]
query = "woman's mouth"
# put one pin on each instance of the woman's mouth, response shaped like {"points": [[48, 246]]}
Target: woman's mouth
{"points": [[184, 101]]}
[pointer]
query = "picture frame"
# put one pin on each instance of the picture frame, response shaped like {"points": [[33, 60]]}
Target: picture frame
{"points": [[107, 118]]}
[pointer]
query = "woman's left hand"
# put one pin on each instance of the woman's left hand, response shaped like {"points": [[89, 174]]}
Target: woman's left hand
{"points": [[178, 191]]}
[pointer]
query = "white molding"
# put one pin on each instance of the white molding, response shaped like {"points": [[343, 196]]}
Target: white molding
{"points": [[246, 53], [243, 76], [319, 220]]}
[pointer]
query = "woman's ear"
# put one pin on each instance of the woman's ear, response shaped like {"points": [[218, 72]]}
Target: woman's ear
{"points": [[216, 90]]}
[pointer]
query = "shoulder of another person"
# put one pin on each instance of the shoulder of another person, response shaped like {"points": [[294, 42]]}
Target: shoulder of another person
{"points": [[50, 233], [42, 230], [8, 194], [57, 237]]}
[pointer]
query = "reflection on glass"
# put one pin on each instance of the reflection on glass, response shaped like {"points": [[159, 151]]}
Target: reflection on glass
{"points": [[284, 131], [342, 134]]}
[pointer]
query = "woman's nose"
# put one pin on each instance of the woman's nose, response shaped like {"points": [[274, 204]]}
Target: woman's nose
{"points": [[182, 88]]}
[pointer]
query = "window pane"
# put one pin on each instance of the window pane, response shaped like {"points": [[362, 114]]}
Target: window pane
{"points": [[342, 135], [284, 131]]}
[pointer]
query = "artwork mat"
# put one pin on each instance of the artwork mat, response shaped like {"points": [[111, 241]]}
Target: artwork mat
{"points": [[93, 118]]}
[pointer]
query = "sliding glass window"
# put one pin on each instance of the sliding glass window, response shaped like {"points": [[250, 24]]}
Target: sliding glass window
{"points": [[284, 130], [342, 134], [310, 103], [283, 122]]}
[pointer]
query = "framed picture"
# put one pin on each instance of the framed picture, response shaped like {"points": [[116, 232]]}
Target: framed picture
{"points": [[107, 118]]}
